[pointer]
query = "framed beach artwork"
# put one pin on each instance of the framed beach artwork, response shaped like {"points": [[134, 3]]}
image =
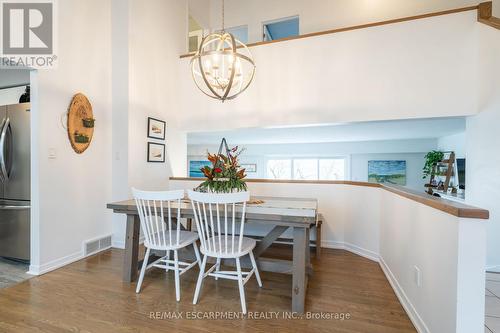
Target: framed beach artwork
{"points": [[156, 128], [156, 152], [195, 168], [391, 172]]}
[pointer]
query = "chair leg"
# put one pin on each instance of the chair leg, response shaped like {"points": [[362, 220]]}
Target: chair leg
{"points": [[242, 289], [177, 282], [200, 280], [197, 254], [143, 271], [168, 258], [254, 264], [217, 268]]}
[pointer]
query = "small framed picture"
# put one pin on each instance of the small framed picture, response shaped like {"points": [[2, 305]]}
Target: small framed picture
{"points": [[156, 128], [156, 152], [249, 167]]}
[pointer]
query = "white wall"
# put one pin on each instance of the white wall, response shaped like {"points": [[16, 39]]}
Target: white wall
{"points": [[145, 87], [318, 15], [417, 69], [401, 234], [120, 110], [450, 297], [127, 77], [152, 83], [455, 142], [357, 154], [482, 134], [69, 192], [496, 8]]}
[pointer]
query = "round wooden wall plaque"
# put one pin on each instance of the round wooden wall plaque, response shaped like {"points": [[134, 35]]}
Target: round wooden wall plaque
{"points": [[80, 123]]}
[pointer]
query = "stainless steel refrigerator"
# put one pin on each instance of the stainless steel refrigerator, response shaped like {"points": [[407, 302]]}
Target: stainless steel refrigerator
{"points": [[15, 181]]}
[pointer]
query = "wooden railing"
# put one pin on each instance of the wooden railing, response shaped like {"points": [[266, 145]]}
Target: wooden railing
{"points": [[451, 207], [364, 26]]}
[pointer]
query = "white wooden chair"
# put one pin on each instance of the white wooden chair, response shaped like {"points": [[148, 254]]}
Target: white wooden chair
{"points": [[216, 216], [162, 235]]}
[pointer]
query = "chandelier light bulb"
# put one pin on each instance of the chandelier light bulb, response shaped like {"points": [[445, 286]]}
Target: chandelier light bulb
{"points": [[223, 67]]}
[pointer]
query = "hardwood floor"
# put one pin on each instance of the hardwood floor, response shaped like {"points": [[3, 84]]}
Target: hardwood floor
{"points": [[88, 296]]}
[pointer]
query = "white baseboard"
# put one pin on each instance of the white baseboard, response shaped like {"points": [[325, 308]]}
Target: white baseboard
{"points": [[368, 254], [55, 264], [120, 244], [332, 245], [403, 299]]}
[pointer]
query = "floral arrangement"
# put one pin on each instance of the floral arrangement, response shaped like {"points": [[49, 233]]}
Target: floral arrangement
{"points": [[225, 175]]}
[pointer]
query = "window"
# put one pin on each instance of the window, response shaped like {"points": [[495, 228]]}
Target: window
{"points": [[281, 28], [307, 168], [279, 169], [240, 33], [195, 38], [332, 169], [195, 35]]}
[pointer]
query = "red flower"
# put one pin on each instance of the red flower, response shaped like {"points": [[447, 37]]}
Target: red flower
{"points": [[218, 170]]}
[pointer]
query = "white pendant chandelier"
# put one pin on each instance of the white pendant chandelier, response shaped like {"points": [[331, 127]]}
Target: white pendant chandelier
{"points": [[223, 67]]}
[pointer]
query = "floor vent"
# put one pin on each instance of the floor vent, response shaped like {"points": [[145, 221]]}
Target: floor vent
{"points": [[96, 245]]}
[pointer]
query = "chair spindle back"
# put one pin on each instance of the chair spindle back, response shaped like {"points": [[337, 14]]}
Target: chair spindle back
{"points": [[216, 216], [151, 206]]}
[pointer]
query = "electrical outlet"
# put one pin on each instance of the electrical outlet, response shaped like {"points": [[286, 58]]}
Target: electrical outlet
{"points": [[417, 276]]}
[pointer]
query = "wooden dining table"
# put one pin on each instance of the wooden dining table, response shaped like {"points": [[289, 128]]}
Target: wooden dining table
{"points": [[278, 213]]}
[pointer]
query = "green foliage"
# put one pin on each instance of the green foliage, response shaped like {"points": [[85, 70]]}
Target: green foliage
{"points": [[225, 175], [431, 158]]}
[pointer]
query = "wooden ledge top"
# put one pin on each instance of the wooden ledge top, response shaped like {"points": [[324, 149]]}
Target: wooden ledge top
{"points": [[457, 209], [448, 206]]}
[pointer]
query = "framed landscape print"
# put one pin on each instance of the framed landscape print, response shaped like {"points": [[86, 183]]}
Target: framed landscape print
{"points": [[250, 167], [156, 128], [156, 152], [391, 172]]}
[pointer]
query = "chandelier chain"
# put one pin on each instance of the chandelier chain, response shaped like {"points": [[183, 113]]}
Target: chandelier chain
{"points": [[223, 15], [223, 66]]}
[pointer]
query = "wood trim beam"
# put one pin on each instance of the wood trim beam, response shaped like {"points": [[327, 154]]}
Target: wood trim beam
{"points": [[485, 15], [290, 181], [357, 27], [448, 206], [451, 207]]}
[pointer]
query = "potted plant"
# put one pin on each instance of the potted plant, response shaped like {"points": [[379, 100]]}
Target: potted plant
{"points": [[81, 138], [88, 122], [225, 175], [431, 159]]}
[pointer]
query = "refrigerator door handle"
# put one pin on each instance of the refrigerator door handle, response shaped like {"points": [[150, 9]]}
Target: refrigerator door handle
{"points": [[2, 175], [8, 207], [3, 166]]}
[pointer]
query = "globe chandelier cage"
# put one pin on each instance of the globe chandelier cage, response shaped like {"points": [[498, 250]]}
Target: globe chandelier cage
{"points": [[223, 67]]}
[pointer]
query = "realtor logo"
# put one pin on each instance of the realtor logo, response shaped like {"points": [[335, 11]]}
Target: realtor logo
{"points": [[27, 33]]}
